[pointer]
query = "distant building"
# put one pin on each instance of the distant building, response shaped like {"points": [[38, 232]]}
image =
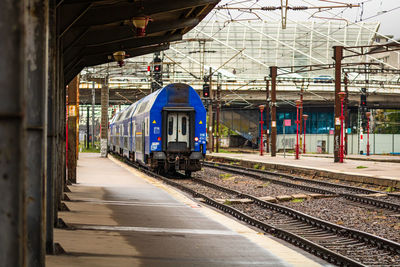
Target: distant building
{"points": [[391, 58]]}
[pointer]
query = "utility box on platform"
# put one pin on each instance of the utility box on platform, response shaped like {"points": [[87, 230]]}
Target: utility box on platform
{"points": [[321, 146]]}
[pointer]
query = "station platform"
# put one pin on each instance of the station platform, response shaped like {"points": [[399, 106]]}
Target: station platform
{"points": [[121, 217], [376, 169], [378, 158]]}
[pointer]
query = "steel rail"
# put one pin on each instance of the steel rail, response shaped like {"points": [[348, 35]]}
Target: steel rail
{"points": [[351, 197], [364, 190], [288, 236], [349, 187], [364, 237], [294, 239]]}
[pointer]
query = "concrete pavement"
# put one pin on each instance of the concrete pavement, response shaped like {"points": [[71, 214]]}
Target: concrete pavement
{"points": [[121, 217]]}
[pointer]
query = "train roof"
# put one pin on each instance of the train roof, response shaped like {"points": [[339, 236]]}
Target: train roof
{"points": [[177, 94]]}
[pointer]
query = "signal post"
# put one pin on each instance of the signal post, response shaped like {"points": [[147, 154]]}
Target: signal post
{"points": [[273, 74], [207, 92]]}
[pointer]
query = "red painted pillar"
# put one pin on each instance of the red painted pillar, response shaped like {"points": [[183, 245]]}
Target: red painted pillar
{"points": [[298, 103]]}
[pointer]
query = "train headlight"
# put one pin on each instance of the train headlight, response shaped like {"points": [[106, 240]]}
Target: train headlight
{"points": [[159, 138], [196, 139]]}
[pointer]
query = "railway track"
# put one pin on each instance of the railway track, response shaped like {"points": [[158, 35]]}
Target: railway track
{"points": [[362, 249], [322, 187], [336, 244]]}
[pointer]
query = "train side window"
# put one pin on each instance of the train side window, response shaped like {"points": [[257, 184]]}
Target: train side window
{"points": [[170, 125], [184, 126]]}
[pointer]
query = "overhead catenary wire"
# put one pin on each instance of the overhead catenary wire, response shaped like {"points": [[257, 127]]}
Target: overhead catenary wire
{"points": [[340, 28]]}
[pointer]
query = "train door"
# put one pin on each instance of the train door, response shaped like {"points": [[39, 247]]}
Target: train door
{"points": [[178, 131]]}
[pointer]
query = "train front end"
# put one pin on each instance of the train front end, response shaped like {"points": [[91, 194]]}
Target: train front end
{"points": [[178, 130]]}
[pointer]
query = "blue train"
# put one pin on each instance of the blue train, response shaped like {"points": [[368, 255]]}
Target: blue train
{"points": [[165, 130]]}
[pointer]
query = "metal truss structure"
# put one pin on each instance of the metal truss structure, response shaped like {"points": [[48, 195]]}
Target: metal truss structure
{"points": [[241, 52]]}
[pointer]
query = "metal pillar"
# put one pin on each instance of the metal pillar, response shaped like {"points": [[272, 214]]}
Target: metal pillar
{"points": [[368, 120], [36, 21], [104, 118], [77, 123], [298, 106], [301, 118], [305, 116], [341, 149], [87, 128], [218, 111], [59, 117], [73, 87], [338, 56], [12, 147], [213, 131], [261, 107], [346, 112], [57, 155], [51, 132], [267, 116], [63, 131], [210, 117], [273, 74], [61, 181], [93, 104]]}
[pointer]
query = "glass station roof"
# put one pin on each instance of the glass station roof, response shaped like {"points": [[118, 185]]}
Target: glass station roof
{"points": [[253, 46], [244, 50]]}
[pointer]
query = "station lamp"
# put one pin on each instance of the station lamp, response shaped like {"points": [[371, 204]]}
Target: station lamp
{"points": [[140, 24], [119, 56]]}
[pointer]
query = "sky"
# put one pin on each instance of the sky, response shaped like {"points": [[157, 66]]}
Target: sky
{"points": [[387, 12]]}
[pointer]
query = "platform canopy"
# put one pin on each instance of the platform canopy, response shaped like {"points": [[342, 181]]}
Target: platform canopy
{"points": [[90, 31]]}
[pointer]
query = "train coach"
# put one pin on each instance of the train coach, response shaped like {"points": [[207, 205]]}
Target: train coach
{"points": [[165, 130]]}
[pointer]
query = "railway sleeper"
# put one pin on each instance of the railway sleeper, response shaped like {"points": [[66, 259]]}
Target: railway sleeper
{"points": [[322, 252]]}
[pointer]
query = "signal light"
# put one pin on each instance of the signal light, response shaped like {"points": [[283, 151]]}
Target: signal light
{"points": [[148, 68], [196, 139], [159, 138], [363, 97], [206, 90], [363, 100]]}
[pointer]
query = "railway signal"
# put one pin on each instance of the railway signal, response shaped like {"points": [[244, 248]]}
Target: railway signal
{"points": [[157, 82], [363, 97], [206, 90], [157, 65]]}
